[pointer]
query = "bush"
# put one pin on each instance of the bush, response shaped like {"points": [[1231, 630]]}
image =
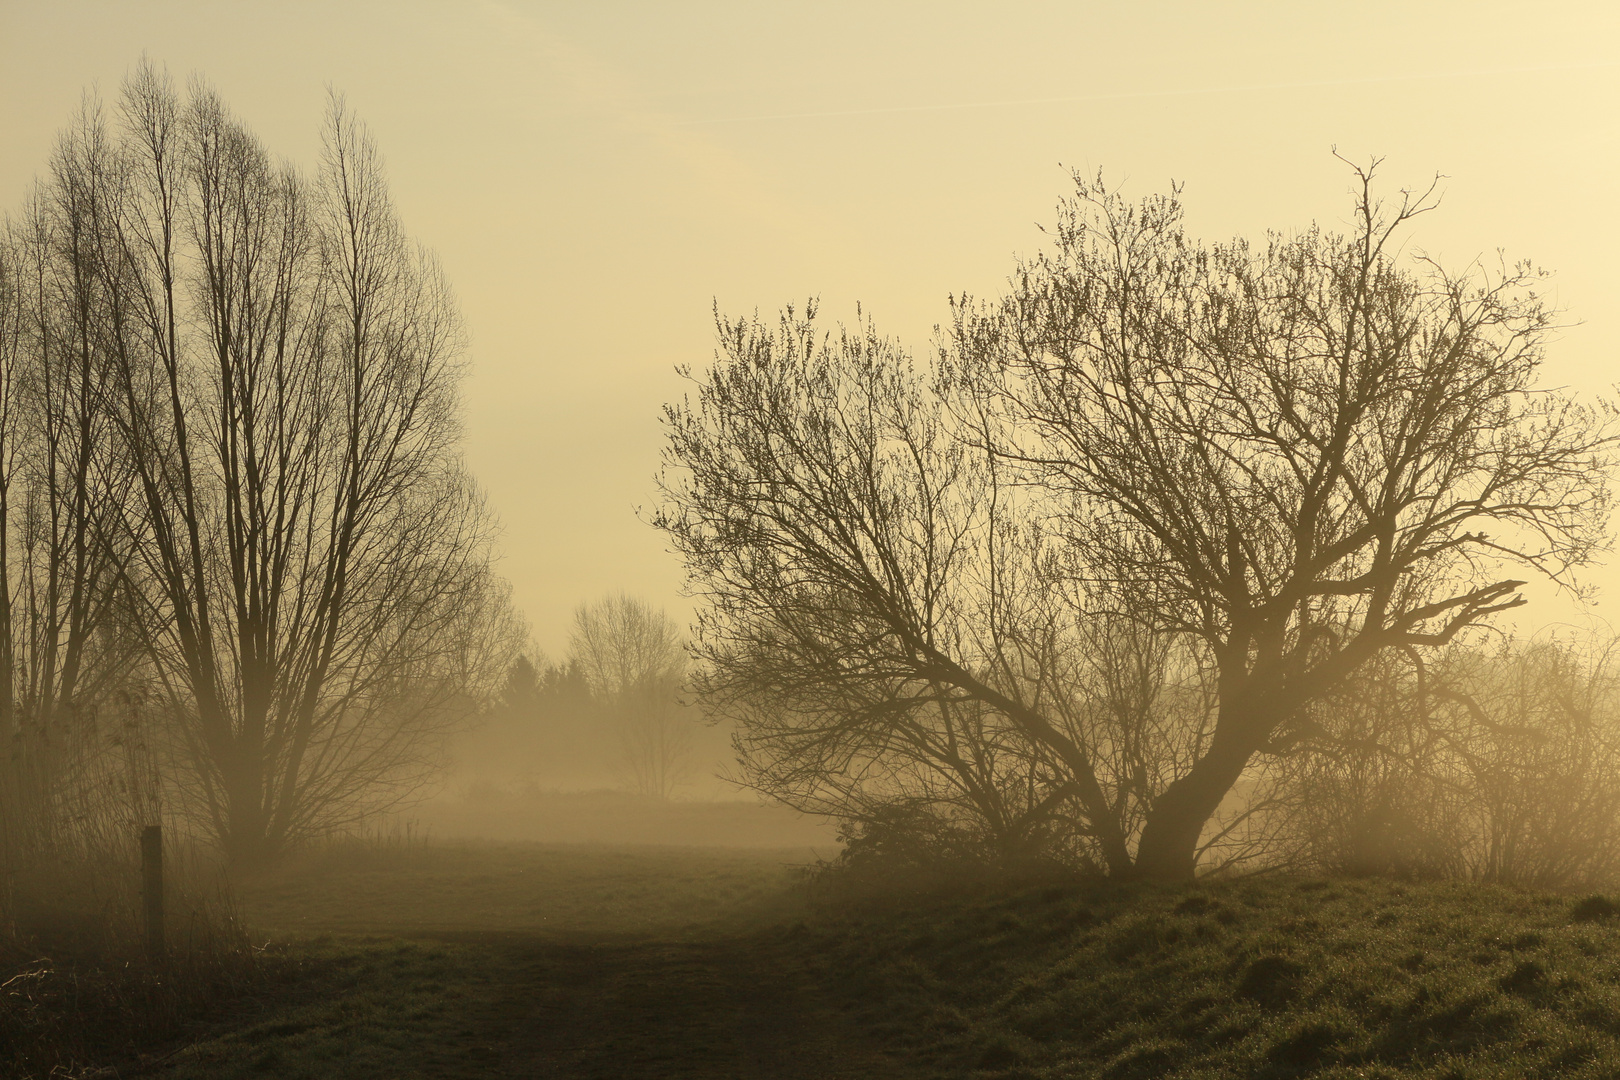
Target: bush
{"points": [[1594, 909], [1499, 766], [915, 845]]}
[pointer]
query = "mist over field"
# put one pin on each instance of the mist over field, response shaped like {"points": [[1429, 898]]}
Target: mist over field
{"points": [[551, 762], [801, 541]]}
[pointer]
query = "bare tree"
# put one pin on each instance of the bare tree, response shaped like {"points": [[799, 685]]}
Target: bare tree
{"points": [[882, 619], [312, 558], [1276, 462], [1495, 764], [66, 654], [1292, 453], [634, 661]]}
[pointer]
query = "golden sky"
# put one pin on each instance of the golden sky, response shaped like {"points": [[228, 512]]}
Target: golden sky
{"points": [[596, 175]]}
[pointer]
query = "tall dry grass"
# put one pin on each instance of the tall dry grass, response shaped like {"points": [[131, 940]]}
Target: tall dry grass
{"points": [[78, 989], [81, 991]]}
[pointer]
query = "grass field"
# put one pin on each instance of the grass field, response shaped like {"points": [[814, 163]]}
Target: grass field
{"points": [[538, 960], [549, 890], [579, 961]]}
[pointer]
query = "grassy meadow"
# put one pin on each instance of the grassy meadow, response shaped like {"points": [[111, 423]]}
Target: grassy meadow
{"points": [[493, 960]]}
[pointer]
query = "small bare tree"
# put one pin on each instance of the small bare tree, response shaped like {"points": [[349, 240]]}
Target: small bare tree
{"points": [[1493, 765], [633, 658]]}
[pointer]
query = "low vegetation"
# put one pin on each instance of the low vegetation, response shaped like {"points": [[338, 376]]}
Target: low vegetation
{"points": [[77, 987], [440, 960]]}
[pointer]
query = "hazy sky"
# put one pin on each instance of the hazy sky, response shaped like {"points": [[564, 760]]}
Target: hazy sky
{"points": [[596, 176]]}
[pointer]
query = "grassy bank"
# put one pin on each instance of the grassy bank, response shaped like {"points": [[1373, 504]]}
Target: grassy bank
{"points": [[1257, 978]]}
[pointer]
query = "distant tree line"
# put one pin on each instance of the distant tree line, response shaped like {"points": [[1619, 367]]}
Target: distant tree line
{"points": [[1177, 556], [614, 707], [245, 580]]}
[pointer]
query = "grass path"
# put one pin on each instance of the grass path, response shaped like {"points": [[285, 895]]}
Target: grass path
{"points": [[513, 1005], [729, 1008], [529, 961]]}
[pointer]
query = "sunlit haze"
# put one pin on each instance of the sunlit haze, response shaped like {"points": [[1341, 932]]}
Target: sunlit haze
{"points": [[597, 177]]}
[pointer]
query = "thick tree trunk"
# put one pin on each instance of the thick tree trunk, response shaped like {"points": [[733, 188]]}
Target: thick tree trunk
{"points": [[1169, 844], [246, 838], [247, 847]]}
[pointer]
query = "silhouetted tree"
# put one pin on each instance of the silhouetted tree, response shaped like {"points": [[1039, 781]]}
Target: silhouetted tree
{"points": [[1277, 462], [260, 369], [882, 620], [521, 691], [544, 729], [66, 650], [563, 689]]}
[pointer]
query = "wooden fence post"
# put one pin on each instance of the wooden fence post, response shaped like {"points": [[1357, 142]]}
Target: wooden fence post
{"points": [[152, 887]]}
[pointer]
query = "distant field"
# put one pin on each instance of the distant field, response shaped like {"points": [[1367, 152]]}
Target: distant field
{"points": [[486, 960], [546, 889], [531, 814]]}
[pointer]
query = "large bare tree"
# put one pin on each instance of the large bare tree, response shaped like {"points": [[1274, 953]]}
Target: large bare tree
{"points": [[1300, 454], [1279, 460], [311, 557], [880, 618]]}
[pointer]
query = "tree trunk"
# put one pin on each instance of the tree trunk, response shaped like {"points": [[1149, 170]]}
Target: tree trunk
{"points": [[1169, 845], [247, 843]]}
